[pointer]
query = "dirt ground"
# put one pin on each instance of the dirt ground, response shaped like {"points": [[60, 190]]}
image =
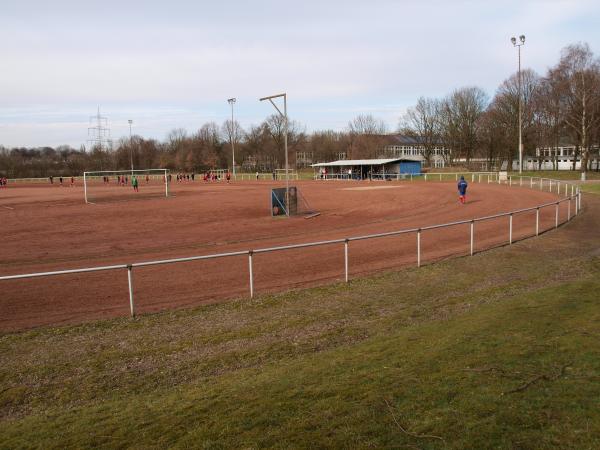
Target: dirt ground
{"points": [[48, 228]]}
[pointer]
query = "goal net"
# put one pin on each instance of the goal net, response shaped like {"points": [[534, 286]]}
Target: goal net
{"points": [[115, 185], [293, 205]]}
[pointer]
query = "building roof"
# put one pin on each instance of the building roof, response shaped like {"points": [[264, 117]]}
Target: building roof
{"points": [[364, 162]]}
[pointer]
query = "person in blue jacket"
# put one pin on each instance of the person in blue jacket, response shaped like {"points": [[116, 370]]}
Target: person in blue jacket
{"points": [[462, 190]]}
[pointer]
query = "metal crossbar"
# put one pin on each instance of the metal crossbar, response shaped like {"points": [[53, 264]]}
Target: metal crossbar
{"points": [[574, 196]]}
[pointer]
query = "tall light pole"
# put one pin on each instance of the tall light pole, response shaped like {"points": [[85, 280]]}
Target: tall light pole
{"points": [[231, 102], [519, 45], [285, 136], [130, 146]]}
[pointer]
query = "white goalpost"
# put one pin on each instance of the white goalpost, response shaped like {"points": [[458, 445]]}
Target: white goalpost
{"points": [[124, 184], [280, 174]]}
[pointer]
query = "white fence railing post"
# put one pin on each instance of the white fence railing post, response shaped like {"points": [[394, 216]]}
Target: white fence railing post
{"points": [[419, 247], [569, 209], [537, 221], [130, 284], [472, 236], [576, 204], [510, 228], [250, 273], [556, 216], [346, 259]]}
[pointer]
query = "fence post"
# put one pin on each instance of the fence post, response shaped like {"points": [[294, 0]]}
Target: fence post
{"points": [[346, 259], [440, 177], [537, 221], [520, 181], [425, 177], [250, 273], [472, 236], [130, 284], [510, 220], [531, 182], [569, 209], [84, 187], [510, 180], [419, 247], [541, 184], [556, 216], [579, 197]]}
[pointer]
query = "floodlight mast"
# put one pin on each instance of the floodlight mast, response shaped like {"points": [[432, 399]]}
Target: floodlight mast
{"points": [[513, 40], [285, 144], [231, 101]]}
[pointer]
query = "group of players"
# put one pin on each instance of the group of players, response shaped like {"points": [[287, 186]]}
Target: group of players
{"points": [[3, 182], [214, 176], [61, 181]]}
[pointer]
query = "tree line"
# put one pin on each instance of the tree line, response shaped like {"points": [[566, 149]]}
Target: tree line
{"points": [[563, 105]]}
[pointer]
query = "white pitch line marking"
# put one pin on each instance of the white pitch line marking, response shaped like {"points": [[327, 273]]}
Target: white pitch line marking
{"points": [[8, 207]]}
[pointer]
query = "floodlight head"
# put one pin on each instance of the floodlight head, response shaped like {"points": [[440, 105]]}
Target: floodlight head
{"points": [[130, 121], [522, 37], [513, 40], [231, 100]]}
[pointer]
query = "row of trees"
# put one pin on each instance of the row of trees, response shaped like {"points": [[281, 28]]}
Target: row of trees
{"points": [[564, 104]]}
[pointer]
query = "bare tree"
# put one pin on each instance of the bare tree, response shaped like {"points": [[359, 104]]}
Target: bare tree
{"points": [[578, 72], [423, 121], [460, 113], [366, 136]]}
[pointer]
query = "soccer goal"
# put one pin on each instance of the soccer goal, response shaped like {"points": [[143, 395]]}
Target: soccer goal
{"points": [[293, 205], [115, 185], [280, 174]]}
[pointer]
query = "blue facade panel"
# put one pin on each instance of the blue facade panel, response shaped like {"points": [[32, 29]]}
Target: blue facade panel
{"points": [[410, 167]]}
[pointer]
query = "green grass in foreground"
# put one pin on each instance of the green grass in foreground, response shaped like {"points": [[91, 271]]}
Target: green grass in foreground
{"points": [[495, 351]]}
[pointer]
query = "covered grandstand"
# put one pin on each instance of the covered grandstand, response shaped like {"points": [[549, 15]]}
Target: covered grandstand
{"points": [[363, 169]]}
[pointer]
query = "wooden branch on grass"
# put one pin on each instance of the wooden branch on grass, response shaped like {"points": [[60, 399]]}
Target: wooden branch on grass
{"points": [[538, 378], [408, 433]]}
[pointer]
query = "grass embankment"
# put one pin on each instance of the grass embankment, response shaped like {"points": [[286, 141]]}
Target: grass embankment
{"points": [[498, 350]]}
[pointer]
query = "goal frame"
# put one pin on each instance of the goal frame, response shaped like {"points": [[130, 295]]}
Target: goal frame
{"points": [[164, 172]]}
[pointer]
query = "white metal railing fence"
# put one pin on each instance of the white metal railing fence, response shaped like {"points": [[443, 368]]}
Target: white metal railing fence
{"points": [[197, 177], [489, 177], [266, 176], [575, 196]]}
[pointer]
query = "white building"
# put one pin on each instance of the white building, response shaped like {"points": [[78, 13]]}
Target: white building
{"points": [[559, 158], [400, 146]]}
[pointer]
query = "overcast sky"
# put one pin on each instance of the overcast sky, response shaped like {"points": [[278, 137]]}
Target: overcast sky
{"points": [[173, 64]]}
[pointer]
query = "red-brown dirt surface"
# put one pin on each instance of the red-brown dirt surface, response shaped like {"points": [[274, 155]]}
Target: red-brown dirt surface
{"points": [[48, 228]]}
